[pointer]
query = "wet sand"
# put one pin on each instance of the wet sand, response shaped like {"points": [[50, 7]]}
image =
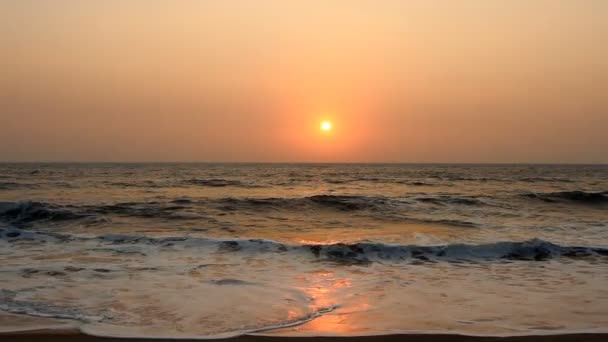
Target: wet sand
{"points": [[23, 328], [67, 336]]}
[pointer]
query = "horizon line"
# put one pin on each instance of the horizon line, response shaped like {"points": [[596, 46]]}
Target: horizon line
{"points": [[300, 162]]}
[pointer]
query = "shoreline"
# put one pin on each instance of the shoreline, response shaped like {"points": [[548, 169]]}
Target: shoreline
{"points": [[73, 335], [26, 328]]}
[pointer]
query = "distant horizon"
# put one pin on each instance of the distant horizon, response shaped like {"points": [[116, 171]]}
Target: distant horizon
{"points": [[305, 162]]}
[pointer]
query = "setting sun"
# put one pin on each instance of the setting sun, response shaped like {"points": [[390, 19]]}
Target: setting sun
{"points": [[326, 126]]}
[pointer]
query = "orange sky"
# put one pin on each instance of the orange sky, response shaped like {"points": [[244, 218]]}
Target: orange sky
{"points": [[402, 81]]}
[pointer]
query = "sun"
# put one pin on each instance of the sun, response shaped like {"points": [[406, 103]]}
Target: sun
{"points": [[326, 126]]}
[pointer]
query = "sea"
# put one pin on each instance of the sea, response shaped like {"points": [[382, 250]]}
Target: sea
{"points": [[216, 250]]}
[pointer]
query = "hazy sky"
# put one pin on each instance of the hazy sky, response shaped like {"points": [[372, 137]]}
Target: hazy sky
{"points": [[227, 80]]}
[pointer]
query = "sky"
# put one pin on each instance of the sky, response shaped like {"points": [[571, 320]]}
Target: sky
{"points": [[471, 81]]}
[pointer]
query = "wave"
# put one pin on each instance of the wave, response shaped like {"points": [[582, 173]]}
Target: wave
{"points": [[9, 302], [151, 209], [157, 183], [17, 186], [378, 180], [136, 184], [338, 202], [348, 203], [377, 207], [533, 250], [219, 182], [341, 253], [343, 202], [98, 320], [28, 212], [446, 200], [418, 183], [544, 179], [24, 212], [9, 185], [571, 196], [457, 177]]}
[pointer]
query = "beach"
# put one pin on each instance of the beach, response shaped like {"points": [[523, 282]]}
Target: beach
{"points": [[386, 338], [33, 329], [75, 336]]}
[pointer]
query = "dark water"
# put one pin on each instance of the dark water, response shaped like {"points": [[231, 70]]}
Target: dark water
{"points": [[208, 249]]}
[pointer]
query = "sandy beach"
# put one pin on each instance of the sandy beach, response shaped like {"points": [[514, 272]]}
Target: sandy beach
{"points": [[70, 336], [23, 328]]}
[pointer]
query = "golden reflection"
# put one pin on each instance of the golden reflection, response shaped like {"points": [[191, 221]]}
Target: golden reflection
{"points": [[327, 290]]}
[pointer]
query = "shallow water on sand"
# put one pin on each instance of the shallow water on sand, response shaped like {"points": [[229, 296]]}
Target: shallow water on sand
{"points": [[220, 249]]}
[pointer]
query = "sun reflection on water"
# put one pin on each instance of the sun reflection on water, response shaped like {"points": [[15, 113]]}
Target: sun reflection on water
{"points": [[331, 293]]}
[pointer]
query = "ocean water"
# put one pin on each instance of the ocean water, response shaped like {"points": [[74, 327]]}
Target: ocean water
{"points": [[199, 250]]}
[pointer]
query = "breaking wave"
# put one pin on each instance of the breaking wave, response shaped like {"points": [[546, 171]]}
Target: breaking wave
{"points": [[342, 253], [9, 302]]}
